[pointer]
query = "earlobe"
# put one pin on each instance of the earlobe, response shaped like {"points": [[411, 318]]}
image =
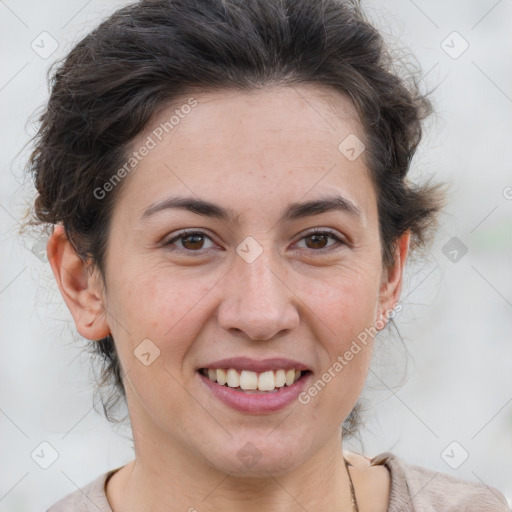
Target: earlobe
{"points": [[79, 287], [391, 285]]}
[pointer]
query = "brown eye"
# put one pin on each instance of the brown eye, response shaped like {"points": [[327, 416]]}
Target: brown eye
{"points": [[318, 240], [189, 241], [192, 242]]}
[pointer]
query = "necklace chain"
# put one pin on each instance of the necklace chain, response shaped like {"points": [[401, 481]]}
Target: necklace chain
{"points": [[355, 506]]}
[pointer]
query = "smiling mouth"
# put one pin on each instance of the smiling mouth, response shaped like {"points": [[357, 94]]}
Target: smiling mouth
{"points": [[254, 382]]}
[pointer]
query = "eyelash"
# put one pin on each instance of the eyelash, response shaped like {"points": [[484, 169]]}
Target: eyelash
{"points": [[315, 231]]}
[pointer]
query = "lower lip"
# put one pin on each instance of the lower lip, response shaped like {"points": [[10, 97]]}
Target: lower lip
{"points": [[257, 403]]}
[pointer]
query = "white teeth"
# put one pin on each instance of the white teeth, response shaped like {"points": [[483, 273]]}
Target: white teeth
{"points": [[280, 378], [233, 378], [248, 380], [266, 381], [253, 381], [222, 377], [290, 377]]}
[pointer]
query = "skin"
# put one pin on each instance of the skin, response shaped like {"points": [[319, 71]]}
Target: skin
{"points": [[199, 301]]}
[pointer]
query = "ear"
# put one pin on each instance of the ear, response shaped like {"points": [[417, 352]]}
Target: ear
{"points": [[391, 281], [79, 286]]}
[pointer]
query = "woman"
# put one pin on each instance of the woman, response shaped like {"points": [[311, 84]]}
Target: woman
{"points": [[227, 185]]}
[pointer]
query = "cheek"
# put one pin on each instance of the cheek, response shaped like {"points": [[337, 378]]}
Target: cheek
{"points": [[160, 305], [346, 305], [164, 308], [347, 310], [344, 300]]}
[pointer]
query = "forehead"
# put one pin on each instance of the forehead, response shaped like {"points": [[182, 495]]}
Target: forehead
{"points": [[266, 110], [233, 145]]}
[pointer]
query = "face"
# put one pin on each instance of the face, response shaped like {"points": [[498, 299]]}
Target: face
{"points": [[266, 280]]}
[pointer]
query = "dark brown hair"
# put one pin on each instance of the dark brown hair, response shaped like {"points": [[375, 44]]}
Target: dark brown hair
{"points": [[148, 54]]}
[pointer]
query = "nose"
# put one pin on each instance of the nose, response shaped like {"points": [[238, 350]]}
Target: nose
{"points": [[258, 301]]}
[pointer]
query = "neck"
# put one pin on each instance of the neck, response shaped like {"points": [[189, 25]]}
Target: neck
{"points": [[167, 478]]}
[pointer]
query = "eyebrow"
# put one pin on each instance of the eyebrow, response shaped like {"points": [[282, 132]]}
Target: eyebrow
{"points": [[293, 212]]}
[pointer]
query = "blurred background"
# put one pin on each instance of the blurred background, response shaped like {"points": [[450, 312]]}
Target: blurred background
{"points": [[441, 399]]}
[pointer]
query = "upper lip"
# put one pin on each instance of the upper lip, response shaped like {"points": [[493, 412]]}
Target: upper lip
{"points": [[257, 365]]}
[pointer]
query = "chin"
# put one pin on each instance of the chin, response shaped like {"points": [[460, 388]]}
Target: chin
{"points": [[257, 456]]}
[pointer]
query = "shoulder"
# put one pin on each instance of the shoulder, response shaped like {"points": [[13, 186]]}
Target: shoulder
{"points": [[91, 497], [424, 489]]}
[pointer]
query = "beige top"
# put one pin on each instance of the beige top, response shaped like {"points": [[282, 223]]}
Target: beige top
{"points": [[413, 489]]}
